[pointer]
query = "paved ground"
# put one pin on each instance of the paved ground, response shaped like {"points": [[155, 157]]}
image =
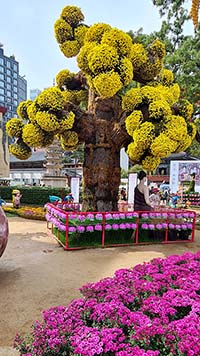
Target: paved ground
{"points": [[36, 273]]}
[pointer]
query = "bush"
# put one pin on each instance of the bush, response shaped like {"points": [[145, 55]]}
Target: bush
{"points": [[150, 310], [33, 195], [26, 212]]}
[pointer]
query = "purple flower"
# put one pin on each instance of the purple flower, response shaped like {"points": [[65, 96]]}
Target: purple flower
{"points": [[159, 226], [122, 216], [89, 228], [152, 215], [133, 226], [152, 226], [179, 216], [171, 226], [122, 226], [145, 215], [145, 226], [72, 229], [115, 227], [184, 226], [108, 216], [164, 215], [164, 225], [80, 229], [90, 216], [186, 215], [98, 227], [135, 215], [108, 227], [178, 227], [99, 216], [116, 216], [72, 216], [189, 226], [128, 226], [129, 215]]}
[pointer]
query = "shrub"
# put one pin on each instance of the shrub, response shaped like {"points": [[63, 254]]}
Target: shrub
{"points": [[150, 310]]}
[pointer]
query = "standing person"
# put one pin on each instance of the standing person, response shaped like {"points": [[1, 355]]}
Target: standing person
{"points": [[141, 197], [17, 199], [123, 194]]}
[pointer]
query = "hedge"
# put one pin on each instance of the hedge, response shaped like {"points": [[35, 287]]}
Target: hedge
{"points": [[33, 195]]}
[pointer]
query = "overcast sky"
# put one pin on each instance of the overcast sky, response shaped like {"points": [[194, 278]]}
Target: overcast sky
{"points": [[26, 30]]}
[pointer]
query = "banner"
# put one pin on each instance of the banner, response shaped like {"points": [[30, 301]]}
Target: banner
{"points": [[132, 182], [75, 182]]}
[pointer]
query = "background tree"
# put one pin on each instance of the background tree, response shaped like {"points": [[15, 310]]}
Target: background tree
{"points": [[147, 119]]}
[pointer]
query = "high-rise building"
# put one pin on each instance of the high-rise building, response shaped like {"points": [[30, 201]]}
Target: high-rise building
{"points": [[13, 87], [34, 93]]}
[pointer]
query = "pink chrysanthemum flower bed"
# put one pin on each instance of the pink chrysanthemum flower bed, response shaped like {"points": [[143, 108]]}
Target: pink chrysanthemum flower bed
{"points": [[150, 310]]}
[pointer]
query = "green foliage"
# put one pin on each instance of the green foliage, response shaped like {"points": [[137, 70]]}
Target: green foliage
{"points": [[124, 173], [33, 195]]}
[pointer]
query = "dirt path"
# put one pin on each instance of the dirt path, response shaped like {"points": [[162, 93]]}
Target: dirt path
{"points": [[35, 273]]}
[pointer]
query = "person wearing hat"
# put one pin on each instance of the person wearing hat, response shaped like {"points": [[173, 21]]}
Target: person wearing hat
{"points": [[155, 198]]}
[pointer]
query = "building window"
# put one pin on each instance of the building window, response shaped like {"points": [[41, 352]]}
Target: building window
{"points": [[2, 98], [15, 75], [1, 83], [8, 71], [8, 64], [1, 61], [8, 80], [8, 86], [15, 82], [15, 89], [1, 91], [9, 93], [15, 67], [15, 102], [1, 69], [15, 96], [1, 76]]}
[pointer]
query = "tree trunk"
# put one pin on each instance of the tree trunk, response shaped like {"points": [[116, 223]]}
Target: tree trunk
{"points": [[101, 167]]}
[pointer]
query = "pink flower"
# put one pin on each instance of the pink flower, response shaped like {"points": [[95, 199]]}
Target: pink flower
{"points": [[89, 228]]}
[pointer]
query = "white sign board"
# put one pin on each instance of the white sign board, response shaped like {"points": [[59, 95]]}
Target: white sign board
{"points": [[75, 182], [132, 182], [180, 172]]}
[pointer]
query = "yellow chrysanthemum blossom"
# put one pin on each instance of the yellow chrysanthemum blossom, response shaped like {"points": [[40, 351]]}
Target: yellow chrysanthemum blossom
{"points": [[131, 99], [50, 99], [119, 40], [175, 127], [126, 71], [63, 31], [14, 127], [20, 150], [132, 121], [33, 135], [107, 84], [70, 48], [47, 121], [79, 34], [185, 109], [22, 109], [175, 90], [32, 111], [69, 96], [67, 122], [150, 163], [163, 146], [63, 78], [158, 109], [157, 49], [134, 152], [96, 31], [138, 56], [167, 77], [72, 15], [102, 58], [184, 143], [70, 138], [150, 94], [82, 59], [144, 135], [192, 130]]}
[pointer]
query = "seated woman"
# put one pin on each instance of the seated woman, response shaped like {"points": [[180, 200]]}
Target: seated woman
{"points": [[141, 197]]}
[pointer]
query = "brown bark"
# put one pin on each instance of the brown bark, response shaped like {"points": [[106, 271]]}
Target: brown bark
{"points": [[3, 231]]}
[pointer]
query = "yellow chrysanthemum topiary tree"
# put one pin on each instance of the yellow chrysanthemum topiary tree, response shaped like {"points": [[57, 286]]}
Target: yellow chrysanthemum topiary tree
{"points": [[121, 97]]}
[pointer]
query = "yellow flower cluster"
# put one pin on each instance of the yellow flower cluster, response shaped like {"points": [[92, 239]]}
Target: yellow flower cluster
{"points": [[102, 58], [150, 94], [134, 152], [126, 71], [72, 15], [63, 78], [50, 99], [138, 56], [150, 163], [167, 77], [20, 150], [107, 84], [69, 31], [67, 122], [185, 109], [63, 31], [31, 112], [192, 130], [47, 121], [119, 40], [96, 31], [69, 140], [144, 135], [22, 109], [163, 146], [14, 127], [82, 59], [158, 109], [175, 127], [33, 135], [132, 99], [70, 48], [157, 49], [132, 121], [184, 143]]}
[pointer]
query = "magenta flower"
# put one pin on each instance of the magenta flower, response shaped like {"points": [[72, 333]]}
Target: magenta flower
{"points": [[159, 226], [80, 229], [128, 226], [129, 215], [189, 226], [171, 226], [145, 215], [98, 227], [122, 226], [90, 216], [145, 226], [184, 226], [81, 217], [164, 225], [115, 227], [164, 215], [178, 227], [133, 226], [152, 226], [122, 216], [99, 216], [90, 228], [108, 227], [135, 215], [72, 229], [116, 216], [108, 216]]}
